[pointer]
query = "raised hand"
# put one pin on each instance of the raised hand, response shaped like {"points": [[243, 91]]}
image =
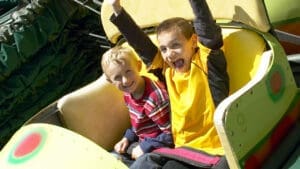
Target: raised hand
{"points": [[116, 5]]}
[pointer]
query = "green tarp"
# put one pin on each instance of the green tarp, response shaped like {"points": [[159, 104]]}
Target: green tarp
{"points": [[6, 5], [44, 59]]}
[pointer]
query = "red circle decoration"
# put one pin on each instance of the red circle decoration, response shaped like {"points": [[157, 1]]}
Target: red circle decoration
{"points": [[276, 82], [28, 145]]}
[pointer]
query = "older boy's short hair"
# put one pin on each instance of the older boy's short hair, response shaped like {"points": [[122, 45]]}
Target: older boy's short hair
{"points": [[181, 24], [116, 55]]}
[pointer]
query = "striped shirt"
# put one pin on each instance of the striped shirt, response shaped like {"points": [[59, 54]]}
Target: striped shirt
{"points": [[149, 115]]}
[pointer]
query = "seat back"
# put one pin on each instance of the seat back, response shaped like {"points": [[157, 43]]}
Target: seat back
{"points": [[96, 111], [243, 60], [151, 13]]}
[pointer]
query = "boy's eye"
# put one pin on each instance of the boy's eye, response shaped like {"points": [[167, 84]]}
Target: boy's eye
{"points": [[128, 72], [117, 78], [175, 45], [163, 49]]}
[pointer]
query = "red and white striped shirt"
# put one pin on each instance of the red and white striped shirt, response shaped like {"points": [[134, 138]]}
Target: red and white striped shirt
{"points": [[150, 115]]}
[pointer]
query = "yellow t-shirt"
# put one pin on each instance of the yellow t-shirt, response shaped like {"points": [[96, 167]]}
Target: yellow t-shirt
{"points": [[192, 106]]}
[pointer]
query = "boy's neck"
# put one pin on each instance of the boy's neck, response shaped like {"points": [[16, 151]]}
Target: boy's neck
{"points": [[139, 92]]}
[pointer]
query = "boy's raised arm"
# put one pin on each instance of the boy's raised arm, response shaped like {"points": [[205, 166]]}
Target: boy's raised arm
{"points": [[116, 6], [206, 28], [141, 43]]}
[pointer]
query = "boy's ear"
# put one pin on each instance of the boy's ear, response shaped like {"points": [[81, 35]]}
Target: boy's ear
{"points": [[194, 40], [139, 65]]}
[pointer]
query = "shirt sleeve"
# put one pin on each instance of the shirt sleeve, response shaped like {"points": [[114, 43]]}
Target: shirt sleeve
{"points": [[139, 40], [159, 107], [131, 136], [162, 140], [208, 31], [210, 36], [160, 115]]}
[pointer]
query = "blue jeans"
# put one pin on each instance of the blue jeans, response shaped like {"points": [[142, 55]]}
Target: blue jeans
{"points": [[125, 158]]}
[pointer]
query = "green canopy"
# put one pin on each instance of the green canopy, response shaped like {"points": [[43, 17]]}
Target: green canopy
{"points": [[43, 50]]}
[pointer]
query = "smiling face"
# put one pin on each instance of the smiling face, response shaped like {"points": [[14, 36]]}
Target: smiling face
{"points": [[177, 43], [122, 70], [124, 76]]}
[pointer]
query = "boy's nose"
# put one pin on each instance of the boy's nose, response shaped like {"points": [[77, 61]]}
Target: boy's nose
{"points": [[125, 80], [170, 54]]}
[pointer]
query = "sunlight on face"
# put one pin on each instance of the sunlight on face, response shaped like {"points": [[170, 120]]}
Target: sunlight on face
{"points": [[176, 50], [125, 75]]}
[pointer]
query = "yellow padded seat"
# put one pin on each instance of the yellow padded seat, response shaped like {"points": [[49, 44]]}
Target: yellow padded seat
{"points": [[96, 111], [243, 51]]}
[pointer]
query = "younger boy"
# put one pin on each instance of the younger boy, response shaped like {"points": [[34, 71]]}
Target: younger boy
{"points": [[147, 101]]}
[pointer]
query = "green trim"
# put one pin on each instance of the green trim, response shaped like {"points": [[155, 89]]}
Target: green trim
{"points": [[285, 22], [264, 140], [17, 160], [280, 11]]}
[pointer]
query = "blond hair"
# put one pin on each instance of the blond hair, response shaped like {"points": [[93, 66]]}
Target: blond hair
{"points": [[117, 55]]}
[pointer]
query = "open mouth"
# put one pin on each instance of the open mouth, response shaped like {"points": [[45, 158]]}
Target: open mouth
{"points": [[178, 63], [128, 86]]}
